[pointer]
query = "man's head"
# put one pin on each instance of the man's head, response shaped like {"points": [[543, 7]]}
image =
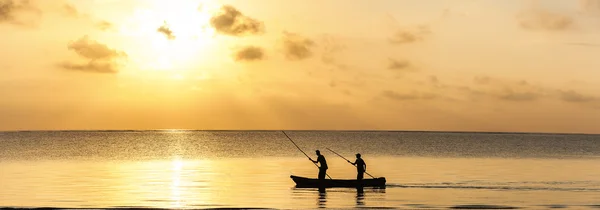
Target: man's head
{"points": [[357, 155], [318, 152]]}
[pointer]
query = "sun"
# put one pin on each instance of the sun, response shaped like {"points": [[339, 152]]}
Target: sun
{"points": [[189, 34]]}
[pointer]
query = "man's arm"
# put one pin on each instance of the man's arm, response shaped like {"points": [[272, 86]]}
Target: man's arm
{"points": [[319, 160]]}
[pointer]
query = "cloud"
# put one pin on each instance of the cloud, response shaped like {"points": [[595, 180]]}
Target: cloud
{"points": [[406, 36], [297, 47], [584, 44], [501, 89], [93, 50], [511, 95], [357, 82], [590, 6], [92, 66], [545, 20], [482, 80], [434, 80], [165, 30], [519, 91], [104, 25], [15, 11], [511, 90], [250, 53], [332, 84], [347, 92], [70, 10], [470, 91], [331, 46], [232, 22], [505, 95], [399, 64], [407, 96], [100, 58], [575, 97]]}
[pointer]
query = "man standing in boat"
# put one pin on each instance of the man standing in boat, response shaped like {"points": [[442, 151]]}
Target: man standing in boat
{"points": [[323, 164], [361, 167]]}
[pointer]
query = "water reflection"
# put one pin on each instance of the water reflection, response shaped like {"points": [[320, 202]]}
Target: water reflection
{"points": [[177, 165], [322, 198], [360, 197]]}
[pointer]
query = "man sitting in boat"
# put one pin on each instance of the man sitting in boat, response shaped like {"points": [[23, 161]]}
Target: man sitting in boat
{"points": [[323, 164], [361, 167]]}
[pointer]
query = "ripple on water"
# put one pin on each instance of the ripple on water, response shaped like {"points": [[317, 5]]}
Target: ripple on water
{"points": [[483, 207], [557, 206], [419, 206]]}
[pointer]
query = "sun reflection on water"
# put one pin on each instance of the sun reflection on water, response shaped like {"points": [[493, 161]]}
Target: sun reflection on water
{"points": [[177, 165]]}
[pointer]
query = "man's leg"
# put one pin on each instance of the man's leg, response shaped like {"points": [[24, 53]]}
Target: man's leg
{"points": [[360, 175], [322, 173]]}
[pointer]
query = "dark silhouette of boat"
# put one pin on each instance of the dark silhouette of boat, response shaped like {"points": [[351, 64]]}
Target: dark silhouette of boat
{"points": [[303, 182]]}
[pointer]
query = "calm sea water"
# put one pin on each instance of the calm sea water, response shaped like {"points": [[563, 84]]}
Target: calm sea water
{"points": [[200, 169]]}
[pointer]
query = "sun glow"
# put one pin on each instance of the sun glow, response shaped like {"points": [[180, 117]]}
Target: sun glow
{"points": [[171, 35]]}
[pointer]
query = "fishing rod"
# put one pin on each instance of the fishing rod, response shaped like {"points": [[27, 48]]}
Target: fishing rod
{"points": [[302, 151], [348, 161]]}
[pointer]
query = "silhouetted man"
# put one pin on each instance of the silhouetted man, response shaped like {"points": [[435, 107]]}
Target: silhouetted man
{"points": [[361, 167], [323, 164]]}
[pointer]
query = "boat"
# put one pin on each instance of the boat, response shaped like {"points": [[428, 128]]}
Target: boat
{"points": [[303, 182]]}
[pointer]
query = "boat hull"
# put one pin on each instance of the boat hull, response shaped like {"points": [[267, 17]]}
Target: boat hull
{"points": [[303, 182]]}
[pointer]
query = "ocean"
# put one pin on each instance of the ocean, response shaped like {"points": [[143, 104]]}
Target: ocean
{"points": [[251, 169]]}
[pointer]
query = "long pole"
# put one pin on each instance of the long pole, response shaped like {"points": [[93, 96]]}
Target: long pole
{"points": [[348, 161], [302, 151]]}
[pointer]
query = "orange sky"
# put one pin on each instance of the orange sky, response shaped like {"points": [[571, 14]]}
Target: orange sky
{"points": [[455, 65]]}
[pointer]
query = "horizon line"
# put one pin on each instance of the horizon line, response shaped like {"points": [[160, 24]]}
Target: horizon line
{"points": [[301, 130]]}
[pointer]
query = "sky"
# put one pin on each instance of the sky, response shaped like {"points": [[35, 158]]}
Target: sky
{"points": [[428, 65]]}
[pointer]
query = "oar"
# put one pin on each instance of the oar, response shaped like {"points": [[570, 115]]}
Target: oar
{"points": [[348, 161], [302, 151]]}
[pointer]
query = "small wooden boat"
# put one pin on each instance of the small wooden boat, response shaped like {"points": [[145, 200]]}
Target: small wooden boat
{"points": [[303, 182]]}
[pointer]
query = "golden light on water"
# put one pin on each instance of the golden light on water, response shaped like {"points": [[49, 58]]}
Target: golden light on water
{"points": [[177, 165], [248, 182]]}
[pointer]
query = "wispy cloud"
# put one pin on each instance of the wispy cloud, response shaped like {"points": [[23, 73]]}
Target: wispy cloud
{"points": [[406, 36], [232, 22], [91, 66], [399, 65], [590, 6], [93, 50], [15, 12], [250, 53], [482, 80], [513, 95], [584, 44], [70, 11], [545, 20], [101, 58], [575, 97], [165, 30], [407, 96], [352, 83], [495, 88], [104, 25], [330, 47], [297, 47]]}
